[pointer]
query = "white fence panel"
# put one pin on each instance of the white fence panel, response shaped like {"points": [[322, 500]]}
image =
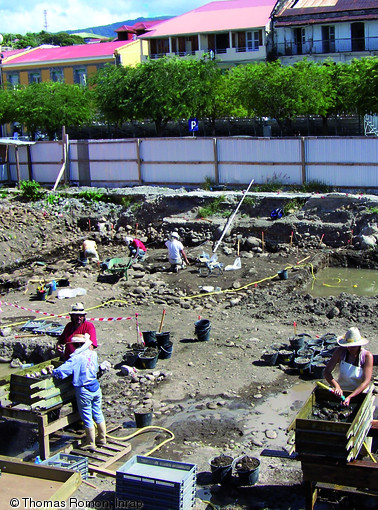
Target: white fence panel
{"points": [[344, 176], [262, 174], [23, 159], [259, 150], [264, 160], [177, 160], [177, 149], [342, 150]]}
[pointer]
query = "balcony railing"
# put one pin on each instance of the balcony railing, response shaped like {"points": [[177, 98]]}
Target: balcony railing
{"points": [[217, 51], [321, 46]]}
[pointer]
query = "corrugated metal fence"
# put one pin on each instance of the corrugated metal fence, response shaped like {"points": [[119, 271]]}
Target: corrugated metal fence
{"points": [[348, 162]]}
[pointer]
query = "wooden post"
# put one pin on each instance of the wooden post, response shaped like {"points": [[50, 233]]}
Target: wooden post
{"points": [[18, 166], [303, 160], [216, 166], [139, 161]]}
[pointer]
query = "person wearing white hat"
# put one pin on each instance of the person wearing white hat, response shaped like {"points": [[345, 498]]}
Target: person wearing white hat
{"points": [[83, 366], [355, 365], [77, 326], [176, 252]]}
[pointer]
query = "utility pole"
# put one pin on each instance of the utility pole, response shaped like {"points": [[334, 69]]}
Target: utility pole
{"points": [[45, 24]]}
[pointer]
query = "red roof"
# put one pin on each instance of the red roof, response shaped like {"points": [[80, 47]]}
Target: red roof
{"points": [[217, 16], [141, 25], [69, 53]]}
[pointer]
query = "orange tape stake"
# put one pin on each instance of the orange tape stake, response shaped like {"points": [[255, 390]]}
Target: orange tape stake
{"points": [[162, 321], [262, 241], [321, 239], [291, 239], [295, 328], [89, 225]]}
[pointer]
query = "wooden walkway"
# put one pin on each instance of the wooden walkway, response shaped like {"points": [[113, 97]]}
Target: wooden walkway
{"points": [[104, 456]]}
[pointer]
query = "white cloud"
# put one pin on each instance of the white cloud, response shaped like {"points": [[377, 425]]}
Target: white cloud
{"points": [[28, 16]]}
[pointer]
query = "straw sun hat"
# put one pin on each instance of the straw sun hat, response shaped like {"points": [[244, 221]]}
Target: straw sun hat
{"points": [[352, 338], [78, 308]]}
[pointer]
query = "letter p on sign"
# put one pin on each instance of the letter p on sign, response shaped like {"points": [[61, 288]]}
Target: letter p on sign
{"points": [[193, 125]]}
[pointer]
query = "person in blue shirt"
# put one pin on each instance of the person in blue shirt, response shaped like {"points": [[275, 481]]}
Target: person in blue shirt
{"points": [[83, 366]]}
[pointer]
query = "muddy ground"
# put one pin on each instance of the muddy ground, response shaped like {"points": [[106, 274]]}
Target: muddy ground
{"points": [[218, 396]]}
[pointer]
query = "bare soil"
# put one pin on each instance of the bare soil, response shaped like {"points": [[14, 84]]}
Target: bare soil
{"points": [[216, 397]]}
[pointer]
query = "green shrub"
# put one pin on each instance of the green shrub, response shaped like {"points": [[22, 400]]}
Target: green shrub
{"points": [[52, 198], [314, 186], [208, 184], [215, 207], [31, 190], [293, 205], [372, 210], [92, 196]]}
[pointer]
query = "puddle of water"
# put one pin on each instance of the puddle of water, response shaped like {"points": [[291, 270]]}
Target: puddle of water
{"points": [[332, 281]]}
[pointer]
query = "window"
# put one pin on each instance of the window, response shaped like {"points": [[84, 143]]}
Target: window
{"points": [[358, 36], [253, 40], [13, 79], [80, 76], [35, 77], [328, 39], [299, 39], [57, 75]]}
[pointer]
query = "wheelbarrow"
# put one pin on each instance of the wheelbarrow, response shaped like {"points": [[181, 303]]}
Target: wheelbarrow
{"points": [[117, 266]]}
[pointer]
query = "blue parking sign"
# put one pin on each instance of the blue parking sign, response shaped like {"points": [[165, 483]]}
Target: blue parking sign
{"points": [[193, 125]]}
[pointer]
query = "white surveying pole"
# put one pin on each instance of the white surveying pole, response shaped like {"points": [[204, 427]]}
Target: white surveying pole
{"points": [[231, 218]]}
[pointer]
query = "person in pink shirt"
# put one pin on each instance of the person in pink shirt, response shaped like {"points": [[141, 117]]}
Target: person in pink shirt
{"points": [[136, 248]]}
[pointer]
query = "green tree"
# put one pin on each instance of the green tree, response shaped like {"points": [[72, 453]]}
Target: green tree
{"points": [[32, 39], [114, 93], [359, 82], [267, 90], [7, 106], [48, 106]]}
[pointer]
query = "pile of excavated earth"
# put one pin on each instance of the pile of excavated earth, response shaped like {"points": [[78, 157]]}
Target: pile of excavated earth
{"points": [[219, 396]]}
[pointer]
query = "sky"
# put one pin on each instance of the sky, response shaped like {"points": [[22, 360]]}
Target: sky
{"points": [[29, 15]]}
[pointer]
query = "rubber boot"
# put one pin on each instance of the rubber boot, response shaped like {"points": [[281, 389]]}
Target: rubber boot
{"points": [[90, 435], [101, 437]]}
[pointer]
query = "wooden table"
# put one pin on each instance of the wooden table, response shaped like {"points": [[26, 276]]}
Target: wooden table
{"points": [[45, 426], [322, 472]]}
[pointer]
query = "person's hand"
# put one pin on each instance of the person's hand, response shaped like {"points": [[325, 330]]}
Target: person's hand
{"points": [[338, 391], [346, 402], [50, 369], [60, 348]]}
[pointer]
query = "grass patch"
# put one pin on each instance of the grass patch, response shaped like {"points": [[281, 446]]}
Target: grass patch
{"points": [[372, 210], [208, 184], [214, 208], [316, 186], [31, 190], [293, 205]]}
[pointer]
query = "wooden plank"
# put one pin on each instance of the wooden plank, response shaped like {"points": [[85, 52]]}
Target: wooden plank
{"points": [[118, 456], [353, 474], [68, 488]]}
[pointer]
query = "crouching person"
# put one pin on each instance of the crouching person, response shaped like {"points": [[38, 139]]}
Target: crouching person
{"points": [[83, 366]]}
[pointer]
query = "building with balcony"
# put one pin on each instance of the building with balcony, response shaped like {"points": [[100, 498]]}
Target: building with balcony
{"points": [[234, 32], [320, 29]]}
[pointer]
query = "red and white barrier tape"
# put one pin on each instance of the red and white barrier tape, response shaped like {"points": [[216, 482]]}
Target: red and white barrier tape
{"points": [[102, 319]]}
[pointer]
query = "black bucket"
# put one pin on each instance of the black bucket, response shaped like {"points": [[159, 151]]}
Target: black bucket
{"points": [[302, 364], [270, 357], [249, 476], [142, 418], [317, 369], [297, 342], [166, 351], [221, 473], [203, 328], [283, 275], [163, 339], [145, 361], [149, 338]]}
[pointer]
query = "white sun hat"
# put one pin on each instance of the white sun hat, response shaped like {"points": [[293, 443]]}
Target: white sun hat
{"points": [[175, 234], [352, 338]]}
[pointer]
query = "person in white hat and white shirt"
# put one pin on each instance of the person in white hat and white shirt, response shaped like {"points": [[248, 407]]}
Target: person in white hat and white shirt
{"points": [[355, 365], [83, 366], [176, 252]]}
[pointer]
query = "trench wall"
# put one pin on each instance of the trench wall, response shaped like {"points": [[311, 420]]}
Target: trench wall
{"points": [[338, 162]]}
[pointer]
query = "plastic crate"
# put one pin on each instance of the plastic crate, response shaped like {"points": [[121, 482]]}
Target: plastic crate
{"points": [[67, 461], [158, 484]]}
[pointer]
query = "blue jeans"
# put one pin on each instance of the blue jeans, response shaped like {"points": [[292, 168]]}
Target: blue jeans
{"points": [[89, 404]]}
